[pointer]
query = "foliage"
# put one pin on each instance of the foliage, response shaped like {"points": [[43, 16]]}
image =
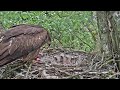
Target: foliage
{"points": [[69, 29]]}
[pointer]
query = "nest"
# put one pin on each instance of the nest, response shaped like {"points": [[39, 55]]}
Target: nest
{"points": [[62, 64]]}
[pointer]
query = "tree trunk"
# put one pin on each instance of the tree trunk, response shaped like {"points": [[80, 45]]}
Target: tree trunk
{"points": [[108, 35]]}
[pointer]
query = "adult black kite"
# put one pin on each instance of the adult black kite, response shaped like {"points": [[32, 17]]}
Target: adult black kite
{"points": [[22, 41]]}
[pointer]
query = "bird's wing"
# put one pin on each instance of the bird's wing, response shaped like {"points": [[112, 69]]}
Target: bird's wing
{"points": [[8, 48], [21, 45]]}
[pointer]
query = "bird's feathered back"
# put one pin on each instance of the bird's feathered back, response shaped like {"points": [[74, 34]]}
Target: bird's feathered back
{"points": [[21, 40]]}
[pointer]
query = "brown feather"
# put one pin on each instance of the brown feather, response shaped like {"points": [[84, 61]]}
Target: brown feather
{"points": [[20, 41]]}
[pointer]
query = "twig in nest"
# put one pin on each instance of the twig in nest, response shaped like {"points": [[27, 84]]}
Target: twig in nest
{"points": [[113, 75], [106, 63], [97, 63], [47, 76], [72, 76], [28, 71], [6, 73], [63, 72], [91, 65]]}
